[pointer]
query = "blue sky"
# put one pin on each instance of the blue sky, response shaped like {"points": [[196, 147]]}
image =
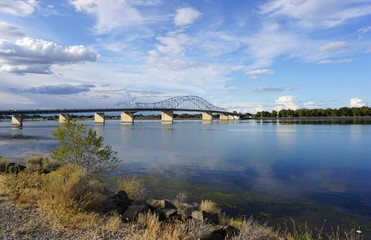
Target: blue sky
{"points": [[243, 55]]}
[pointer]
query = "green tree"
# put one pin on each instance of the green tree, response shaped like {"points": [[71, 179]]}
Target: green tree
{"points": [[83, 147]]}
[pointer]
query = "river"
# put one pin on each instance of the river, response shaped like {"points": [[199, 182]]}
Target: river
{"points": [[309, 171]]}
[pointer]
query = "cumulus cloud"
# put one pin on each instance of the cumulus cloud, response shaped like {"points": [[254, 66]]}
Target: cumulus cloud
{"points": [[186, 16], [240, 107], [60, 89], [286, 102], [18, 8], [334, 47], [356, 102], [271, 89], [260, 72], [88, 6], [28, 55], [335, 61]]}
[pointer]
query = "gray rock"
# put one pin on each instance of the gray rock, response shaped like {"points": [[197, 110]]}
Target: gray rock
{"points": [[156, 204], [210, 218], [132, 212], [167, 214], [118, 202]]}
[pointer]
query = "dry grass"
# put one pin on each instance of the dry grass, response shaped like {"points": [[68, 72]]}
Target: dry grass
{"points": [[230, 221], [3, 164], [69, 196], [170, 231], [134, 188], [252, 230], [26, 228], [209, 206]]}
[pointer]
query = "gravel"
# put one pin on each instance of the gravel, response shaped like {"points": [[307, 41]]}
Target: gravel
{"points": [[18, 223]]}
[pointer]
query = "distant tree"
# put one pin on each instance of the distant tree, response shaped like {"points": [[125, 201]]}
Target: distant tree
{"points": [[83, 147], [274, 113]]}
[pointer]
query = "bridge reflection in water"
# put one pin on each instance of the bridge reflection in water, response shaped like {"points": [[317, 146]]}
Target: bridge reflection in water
{"points": [[166, 107]]}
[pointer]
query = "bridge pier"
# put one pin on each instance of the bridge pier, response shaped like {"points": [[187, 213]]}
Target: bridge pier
{"points": [[167, 117], [207, 117], [63, 118], [127, 118], [224, 117], [17, 121], [99, 118]]}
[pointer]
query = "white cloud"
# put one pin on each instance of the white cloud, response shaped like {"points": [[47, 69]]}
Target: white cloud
{"points": [[186, 16], [334, 47], [260, 72], [28, 55], [11, 101], [364, 29], [317, 13], [240, 107], [356, 102], [310, 105], [18, 8], [286, 102], [115, 14], [335, 61], [7, 30], [88, 6]]}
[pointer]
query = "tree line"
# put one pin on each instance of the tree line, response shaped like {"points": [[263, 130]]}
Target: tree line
{"points": [[317, 112]]}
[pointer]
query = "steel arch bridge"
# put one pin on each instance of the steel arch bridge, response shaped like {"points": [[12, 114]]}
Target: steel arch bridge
{"points": [[182, 103]]}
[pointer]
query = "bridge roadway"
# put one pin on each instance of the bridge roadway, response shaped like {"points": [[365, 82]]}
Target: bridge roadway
{"points": [[167, 107]]}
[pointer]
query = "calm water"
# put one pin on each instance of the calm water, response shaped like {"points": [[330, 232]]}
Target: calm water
{"points": [[310, 172]]}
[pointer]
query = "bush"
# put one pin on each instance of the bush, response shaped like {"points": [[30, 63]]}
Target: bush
{"points": [[3, 164], [134, 188], [37, 164], [209, 206], [69, 194], [83, 147]]}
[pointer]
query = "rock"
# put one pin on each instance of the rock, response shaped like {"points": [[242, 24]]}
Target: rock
{"points": [[227, 231], [213, 236], [132, 212], [14, 168], [211, 218], [118, 202], [156, 204], [167, 214]]}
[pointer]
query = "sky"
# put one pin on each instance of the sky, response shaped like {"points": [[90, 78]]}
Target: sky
{"points": [[246, 56]]}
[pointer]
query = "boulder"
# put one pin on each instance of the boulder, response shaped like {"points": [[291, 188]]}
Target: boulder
{"points": [[132, 212], [167, 214], [213, 236], [156, 204], [14, 168], [118, 202], [210, 218], [227, 231]]}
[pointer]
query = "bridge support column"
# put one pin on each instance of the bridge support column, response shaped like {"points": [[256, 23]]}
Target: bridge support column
{"points": [[236, 117], [207, 117], [230, 117], [224, 117], [127, 118], [63, 118], [99, 118], [167, 117], [17, 121]]}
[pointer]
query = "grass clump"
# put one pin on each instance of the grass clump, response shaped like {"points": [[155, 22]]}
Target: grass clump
{"points": [[70, 195], [209, 206], [134, 188], [3, 164], [252, 230], [40, 164]]}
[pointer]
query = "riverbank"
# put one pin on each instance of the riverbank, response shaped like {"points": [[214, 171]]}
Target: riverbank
{"points": [[44, 201]]}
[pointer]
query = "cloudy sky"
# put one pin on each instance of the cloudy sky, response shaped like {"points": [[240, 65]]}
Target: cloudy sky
{"points": [[244, 55]]}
